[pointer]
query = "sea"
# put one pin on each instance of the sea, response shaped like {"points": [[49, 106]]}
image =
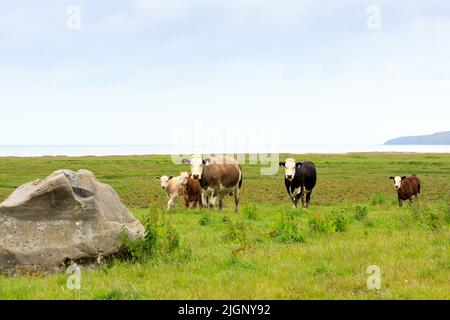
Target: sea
{"points": [[128, 150]]}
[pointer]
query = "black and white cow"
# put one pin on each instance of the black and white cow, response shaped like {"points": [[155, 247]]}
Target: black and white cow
{"points": [[300, 178]]}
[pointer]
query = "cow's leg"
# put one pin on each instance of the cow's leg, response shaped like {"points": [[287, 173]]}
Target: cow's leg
{"points": [[236, 199], [221, 196], [212, 201], [400, 202], [308, 198], [302, 195], [295, 199], [204, 200], [295, 196], [410, 201], [197, 201], [171, 203], [186, 201]]}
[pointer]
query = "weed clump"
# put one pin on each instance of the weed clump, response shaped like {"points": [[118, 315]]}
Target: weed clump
{"points": [[369, 223], [334, 221], [205, 219], [286, 228], [160, 239], [250, 212], [320, 223], [429, 217], [339, 220], [361, 212], [240, 233], [118, 294], [378, 199]]}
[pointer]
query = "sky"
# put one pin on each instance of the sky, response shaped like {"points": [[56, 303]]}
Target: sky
{"points": [[141, 72]]}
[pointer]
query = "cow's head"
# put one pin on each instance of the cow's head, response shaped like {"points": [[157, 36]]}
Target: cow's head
{"points": [[184, 178], [289, 168], [398, 181], [196, 163], [164, 181]]}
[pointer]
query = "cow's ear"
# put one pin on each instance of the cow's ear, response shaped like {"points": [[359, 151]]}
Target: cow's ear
{"points": [[206, 161], [171, 177], [282, 164], [392, 178], [298, 164], [186, 161], [158, 178], [404, 177]]}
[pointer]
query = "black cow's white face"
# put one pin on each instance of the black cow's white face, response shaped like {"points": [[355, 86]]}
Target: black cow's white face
{"points": [[398, 181], [289, 168]]}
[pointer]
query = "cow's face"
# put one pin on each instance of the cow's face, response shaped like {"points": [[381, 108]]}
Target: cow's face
{"points": [[398, 181], [164, 180], [196, 164], [289, 168], [184, 178]]}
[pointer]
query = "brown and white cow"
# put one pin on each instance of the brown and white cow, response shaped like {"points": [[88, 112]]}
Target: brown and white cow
{"points": [[218, 176], [192, 194], [173, 187], [406, 187]]}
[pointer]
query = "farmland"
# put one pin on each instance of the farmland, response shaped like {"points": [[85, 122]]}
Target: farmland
{"points": [[268, 250]]}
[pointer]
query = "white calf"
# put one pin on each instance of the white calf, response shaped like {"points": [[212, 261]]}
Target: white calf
{"points": [[173, 187]]}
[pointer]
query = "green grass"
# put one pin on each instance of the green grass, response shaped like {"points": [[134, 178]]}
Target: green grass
{"points": [[268, 251]]}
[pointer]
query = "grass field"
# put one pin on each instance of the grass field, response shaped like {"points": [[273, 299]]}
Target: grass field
{"points": [[268, 250]]}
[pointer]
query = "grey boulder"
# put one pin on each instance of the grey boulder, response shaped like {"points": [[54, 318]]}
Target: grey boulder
{"points": [[66, 217]]}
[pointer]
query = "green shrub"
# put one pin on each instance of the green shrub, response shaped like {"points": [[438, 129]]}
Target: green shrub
{"points": [[250, 212], [205, 218], [446, 210], [361, 212], [434, 220], [142, 245], [117, 294], [240, 233], [286, 228], [298, 211], [169, 238], [429, 217], [334, 221], [160, 238], [369, 224], [320, 223], [378, 199], [339, 220]]}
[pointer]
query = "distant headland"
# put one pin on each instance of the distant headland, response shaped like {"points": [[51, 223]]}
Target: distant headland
{"points": [[440, 138]]}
